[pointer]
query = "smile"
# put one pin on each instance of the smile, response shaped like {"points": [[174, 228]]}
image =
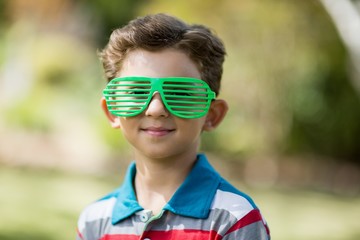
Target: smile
{"points": [[157, 131]]}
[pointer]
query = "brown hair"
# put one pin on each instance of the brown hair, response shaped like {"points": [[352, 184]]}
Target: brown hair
{"points": [[161, 31]]}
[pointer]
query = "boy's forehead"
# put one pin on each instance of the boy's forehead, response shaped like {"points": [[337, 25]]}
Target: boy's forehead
{"points": [[164, 63]]}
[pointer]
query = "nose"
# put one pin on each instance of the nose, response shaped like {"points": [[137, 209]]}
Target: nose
{"points": [[156, 107]]}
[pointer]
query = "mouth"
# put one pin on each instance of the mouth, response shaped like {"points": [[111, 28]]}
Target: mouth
{"points": [[157, 131]]}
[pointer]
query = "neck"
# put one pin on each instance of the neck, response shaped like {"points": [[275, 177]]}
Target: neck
{"points": [[157, 180]]}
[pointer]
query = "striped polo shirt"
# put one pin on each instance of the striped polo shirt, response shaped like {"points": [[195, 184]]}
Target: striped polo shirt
{"points": [[205, 206]]}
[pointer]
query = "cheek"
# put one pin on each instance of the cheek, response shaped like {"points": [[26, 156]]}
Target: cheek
{"points": [[195, 128], [127, 126]]}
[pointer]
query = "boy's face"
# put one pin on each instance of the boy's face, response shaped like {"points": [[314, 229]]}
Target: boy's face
{"points": [[155, 133]]}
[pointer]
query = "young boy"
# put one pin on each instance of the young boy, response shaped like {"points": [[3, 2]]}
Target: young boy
{"points": [[164, 76]]}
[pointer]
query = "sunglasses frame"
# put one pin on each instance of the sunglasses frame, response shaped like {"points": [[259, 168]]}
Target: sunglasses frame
{"points": [[157, 85]]}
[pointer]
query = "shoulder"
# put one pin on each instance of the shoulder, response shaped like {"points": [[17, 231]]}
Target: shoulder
{"points": [[96, 211], [238, 207], [233, 201]]}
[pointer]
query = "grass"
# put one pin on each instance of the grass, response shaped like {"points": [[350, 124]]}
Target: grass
{"points": [[37, 204], [44, 205], [301, 214]]}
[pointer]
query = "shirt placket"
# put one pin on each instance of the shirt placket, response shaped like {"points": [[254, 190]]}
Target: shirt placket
{"points": [[149, 220]]}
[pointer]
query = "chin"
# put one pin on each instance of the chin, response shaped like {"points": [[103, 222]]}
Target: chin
{"points": [[159, 156]]}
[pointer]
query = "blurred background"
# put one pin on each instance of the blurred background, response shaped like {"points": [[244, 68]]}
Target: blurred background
{"points": [[291, 138]]}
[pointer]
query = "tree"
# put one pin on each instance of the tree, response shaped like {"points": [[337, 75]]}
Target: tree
{"points": [[346, 16]]}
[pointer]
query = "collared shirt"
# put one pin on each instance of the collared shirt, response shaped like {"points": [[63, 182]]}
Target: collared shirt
{"points": [[205, 206]]}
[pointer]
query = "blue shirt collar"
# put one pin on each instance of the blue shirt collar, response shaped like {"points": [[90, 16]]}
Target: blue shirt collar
{"points": [[192, 199]]}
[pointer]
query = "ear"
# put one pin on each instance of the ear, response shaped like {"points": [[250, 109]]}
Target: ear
{"points": [[216, 114], [114, 120]]}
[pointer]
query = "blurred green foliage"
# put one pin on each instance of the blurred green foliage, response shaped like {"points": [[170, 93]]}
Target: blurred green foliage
{"points": [[286, 75], [111, 15]]}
